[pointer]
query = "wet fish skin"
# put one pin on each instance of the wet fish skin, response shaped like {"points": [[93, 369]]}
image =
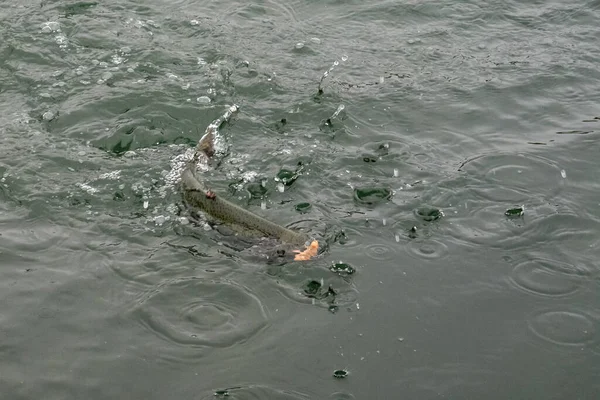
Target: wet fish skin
{"points": [[196, 194]]}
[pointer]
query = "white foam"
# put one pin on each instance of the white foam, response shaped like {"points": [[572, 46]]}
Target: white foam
{"points": [[50, 26], [87, 188]]}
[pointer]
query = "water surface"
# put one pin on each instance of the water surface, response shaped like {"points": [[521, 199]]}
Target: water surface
{"points": [[433, 122]]}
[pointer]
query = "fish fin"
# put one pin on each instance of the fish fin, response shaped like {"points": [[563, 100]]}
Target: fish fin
{"points": [[310, 252]]}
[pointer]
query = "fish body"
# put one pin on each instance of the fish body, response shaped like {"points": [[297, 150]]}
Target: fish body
{"points": [[197, 195]]}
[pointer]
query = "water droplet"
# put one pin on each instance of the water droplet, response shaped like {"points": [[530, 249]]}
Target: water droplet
{"points": [[299, 45], [286, 176], [256, 190], [315, 40], [303, 207], [337, 111], [396, 172], [61, 40], [312, 288], [340, 373], [194, 22], [563, 173], [344, 57], [371, 196], [515, 212], [342, 268], [429, 214], [48, 116], [146, 204]]}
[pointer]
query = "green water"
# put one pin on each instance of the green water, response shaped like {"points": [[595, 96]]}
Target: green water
{"points": [[453, 114]]}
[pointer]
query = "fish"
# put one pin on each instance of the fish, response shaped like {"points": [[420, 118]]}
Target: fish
{"points": [[197, 195]]}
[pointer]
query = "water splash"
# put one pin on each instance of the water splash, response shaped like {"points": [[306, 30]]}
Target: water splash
{"points": [[179, 162], [326, 73], [337, 112]]}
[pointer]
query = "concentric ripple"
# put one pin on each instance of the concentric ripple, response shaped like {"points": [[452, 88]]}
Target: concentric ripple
{"points": [[429, 249], [521, 173], [349, 238], [259, 392], [566, 328], [380, 252], [546, 277], [198, 314]]}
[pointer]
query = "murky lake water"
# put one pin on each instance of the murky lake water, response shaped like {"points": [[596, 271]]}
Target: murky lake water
{"points": [[436, 119]]}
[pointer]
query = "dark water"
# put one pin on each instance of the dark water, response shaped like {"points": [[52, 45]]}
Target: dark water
{"points": [[462, 108]]}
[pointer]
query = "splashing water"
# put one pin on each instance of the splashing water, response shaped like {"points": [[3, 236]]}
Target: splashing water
{"points": [[326, 73], [338, 111], [179, 162]]}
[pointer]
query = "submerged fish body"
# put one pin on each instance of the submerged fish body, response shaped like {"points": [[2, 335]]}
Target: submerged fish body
{"points": [[197, 195]]}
